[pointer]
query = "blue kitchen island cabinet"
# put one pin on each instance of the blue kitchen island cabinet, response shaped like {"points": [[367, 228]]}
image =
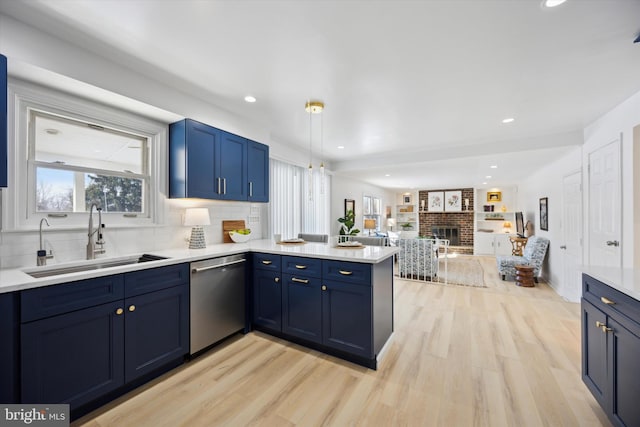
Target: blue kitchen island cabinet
{"points": [[267, 292], [258, 171], [341, 308], [85, 342], [611, 350]]}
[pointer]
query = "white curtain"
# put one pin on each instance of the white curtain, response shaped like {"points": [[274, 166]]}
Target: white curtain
{"points": [[291, 210]]}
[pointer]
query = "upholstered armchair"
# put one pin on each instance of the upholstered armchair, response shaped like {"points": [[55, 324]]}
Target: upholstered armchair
{"points": [[532, 255], [417, 259]]}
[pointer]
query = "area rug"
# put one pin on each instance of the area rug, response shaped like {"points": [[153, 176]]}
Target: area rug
{"points": [[461, 270]]}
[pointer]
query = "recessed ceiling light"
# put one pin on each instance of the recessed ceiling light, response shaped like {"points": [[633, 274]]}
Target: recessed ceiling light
{"points": [[488, 176], [484, 183], [250, 98], [508, 120], [340, 147], [387, 174], [494, 166], [552, 3]]}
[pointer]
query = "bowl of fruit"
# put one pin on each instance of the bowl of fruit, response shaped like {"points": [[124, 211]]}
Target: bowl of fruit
{"points": [[240, 236]]}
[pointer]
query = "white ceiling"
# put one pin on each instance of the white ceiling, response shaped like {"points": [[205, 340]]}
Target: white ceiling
{"points": [[414, 89]]}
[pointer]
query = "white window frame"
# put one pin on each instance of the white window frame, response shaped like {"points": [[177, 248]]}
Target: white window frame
{"points": [[18, 212]]}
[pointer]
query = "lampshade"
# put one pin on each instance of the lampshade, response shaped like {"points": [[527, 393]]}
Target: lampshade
{"points": [[507, 224], [391, 222], [369, 224], [196, 216]]}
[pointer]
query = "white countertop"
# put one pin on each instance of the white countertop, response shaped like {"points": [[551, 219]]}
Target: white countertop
{"points": [[625, 280], [16, 279]]}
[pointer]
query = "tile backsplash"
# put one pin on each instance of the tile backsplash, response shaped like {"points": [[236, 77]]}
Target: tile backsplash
{"points": [[18, 249]]}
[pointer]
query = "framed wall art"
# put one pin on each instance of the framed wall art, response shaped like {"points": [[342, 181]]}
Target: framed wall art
{"points": [[453, 201], [349, 205], [436, 201], [544, 214], [494, 196]]}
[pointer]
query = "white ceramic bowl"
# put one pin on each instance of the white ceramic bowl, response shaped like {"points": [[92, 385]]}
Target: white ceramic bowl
{"points": [[239, 238]]}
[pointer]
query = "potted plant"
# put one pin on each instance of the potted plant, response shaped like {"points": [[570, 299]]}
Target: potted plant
{"points": [[348, 222], [406, 226]]}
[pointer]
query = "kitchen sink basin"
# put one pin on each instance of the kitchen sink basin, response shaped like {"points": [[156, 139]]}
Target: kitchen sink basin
{"points": [[90, 265]]}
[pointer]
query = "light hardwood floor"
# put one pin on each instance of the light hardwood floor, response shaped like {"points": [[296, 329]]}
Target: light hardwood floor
{"points": [[459, 356]]}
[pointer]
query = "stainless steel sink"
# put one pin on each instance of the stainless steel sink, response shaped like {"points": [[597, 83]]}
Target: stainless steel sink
{"points": [[94, 265]]}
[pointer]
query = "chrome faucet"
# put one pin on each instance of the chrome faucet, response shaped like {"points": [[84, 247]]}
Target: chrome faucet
{"points": [[42, 253], [91, 244]]}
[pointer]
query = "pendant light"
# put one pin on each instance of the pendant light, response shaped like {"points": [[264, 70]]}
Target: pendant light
{"points": [[315, 107]]}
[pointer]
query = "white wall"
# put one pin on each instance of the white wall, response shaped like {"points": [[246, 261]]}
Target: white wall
{"points": [[349, 188], [619, 122], [547, 182]]}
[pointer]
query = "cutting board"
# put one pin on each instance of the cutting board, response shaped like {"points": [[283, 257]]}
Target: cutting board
{"points": [[229, 225]]}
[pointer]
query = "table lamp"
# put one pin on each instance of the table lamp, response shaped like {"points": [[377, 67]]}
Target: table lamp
{"points": [[390, 223], [196, 218], [507, 226], [369, 224]]}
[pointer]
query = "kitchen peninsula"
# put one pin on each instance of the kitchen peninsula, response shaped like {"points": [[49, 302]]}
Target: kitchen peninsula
{"points": [[338, 301]]}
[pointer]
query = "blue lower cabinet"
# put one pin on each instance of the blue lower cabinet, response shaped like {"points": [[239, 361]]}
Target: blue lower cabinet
{"points": [[267, 299], [347, 318], [75, 357], [302, 307], [156, 330], [594, 351], [9, 353], [624, 348]]}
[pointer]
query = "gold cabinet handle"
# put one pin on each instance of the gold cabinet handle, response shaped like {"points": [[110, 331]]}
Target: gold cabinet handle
{"points": [[605, 329], [132, 307], [599, 324], [301, 267], [603, 326], [607, 301], [295, 279], [277, 280], [324, 288], [266, 262], [119, 311], [345, 272]]}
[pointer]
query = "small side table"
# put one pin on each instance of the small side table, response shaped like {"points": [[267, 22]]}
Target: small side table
{"points": [[517, 244], [524, 276]]}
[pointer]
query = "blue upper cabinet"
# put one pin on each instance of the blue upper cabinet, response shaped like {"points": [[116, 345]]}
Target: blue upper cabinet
{"points": [[258, 168], [3, 121], [231, 164], [209, 163]]}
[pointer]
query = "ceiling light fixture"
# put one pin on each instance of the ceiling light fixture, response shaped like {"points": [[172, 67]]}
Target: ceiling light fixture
{"points": [[250, 98], [340, 147], [315, 107], [552, 3], [488, 177], [494, 166], [484, 183], [508, 120], [387, 174]]}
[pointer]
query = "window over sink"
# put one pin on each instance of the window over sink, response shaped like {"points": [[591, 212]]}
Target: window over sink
{"points": [[70, 152]]}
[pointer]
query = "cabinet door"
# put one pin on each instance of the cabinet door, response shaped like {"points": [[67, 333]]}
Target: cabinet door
{"points": [[502, 244], [302, 307], [594, 351], [3, 121], [483, 244], [73, 358], [231, 164], [201, 141], [267, 299], [624, 348], [9, 331], [346, 318], [156, 330], [258, 171]]}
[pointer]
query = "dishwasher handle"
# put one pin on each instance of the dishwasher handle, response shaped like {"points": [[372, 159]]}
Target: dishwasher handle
{"points": [[199, 270]]}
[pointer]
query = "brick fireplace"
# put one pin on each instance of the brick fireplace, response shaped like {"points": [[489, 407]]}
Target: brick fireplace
{"points": [[461, 222]]}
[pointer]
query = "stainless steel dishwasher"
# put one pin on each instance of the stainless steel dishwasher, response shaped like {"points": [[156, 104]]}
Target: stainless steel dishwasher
{"points": [[217, 300]]}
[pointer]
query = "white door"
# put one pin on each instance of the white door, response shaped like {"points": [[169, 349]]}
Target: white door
{"points": [[605, 206], [571, 287]]}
